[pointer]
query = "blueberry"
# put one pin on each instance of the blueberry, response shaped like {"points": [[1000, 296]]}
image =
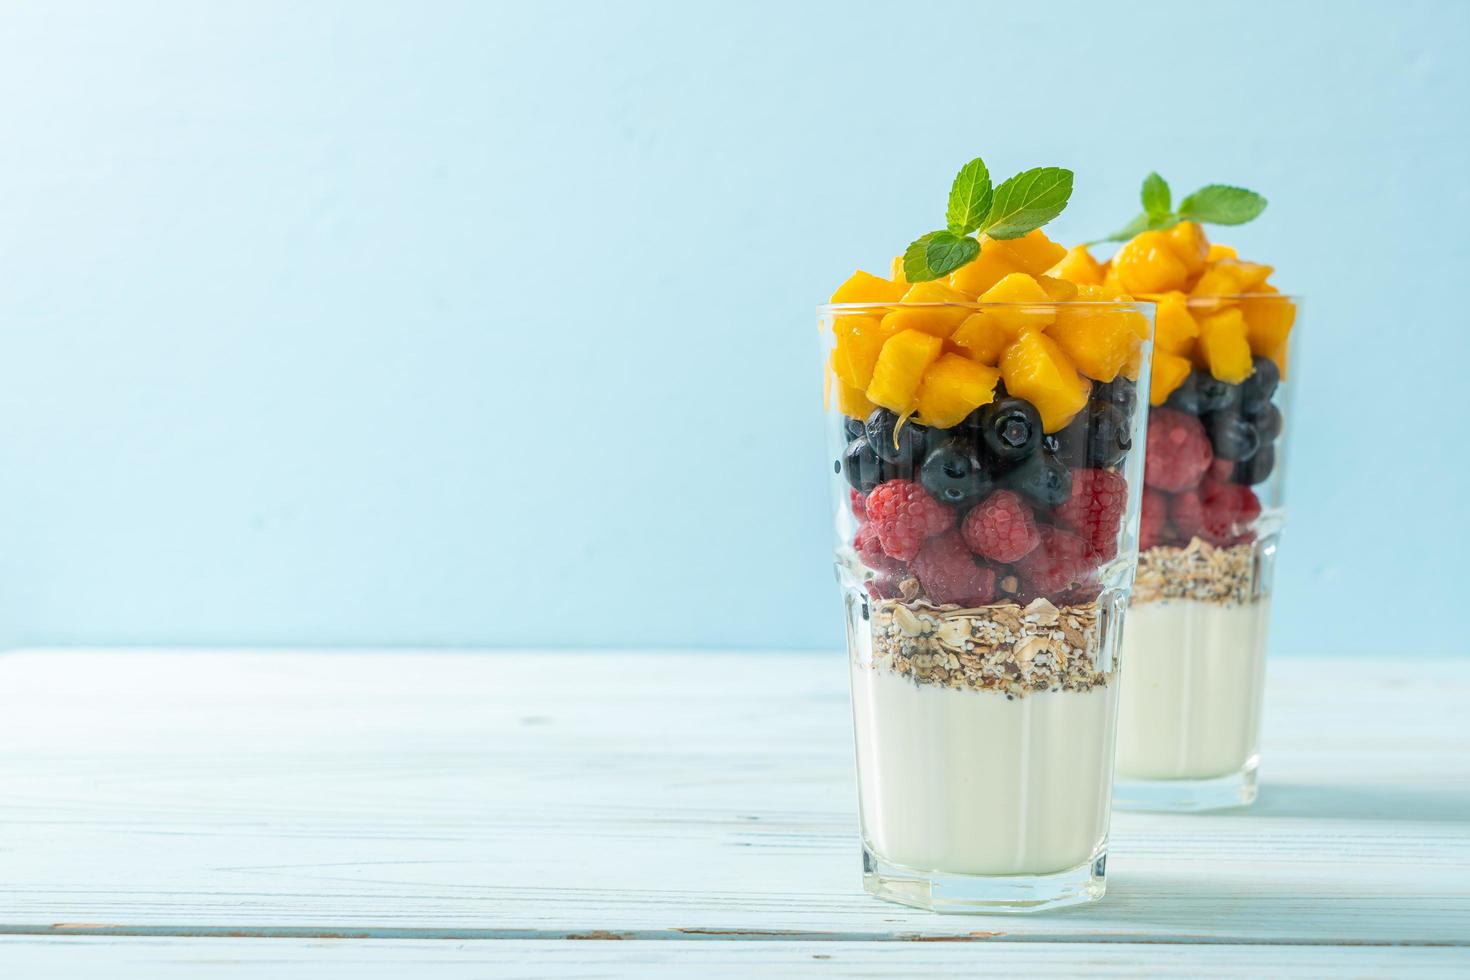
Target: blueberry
{"points": [[1257, 468], [1232, 436], [1045, 479], [1256, 390], [907, 448], [1108, 435], [953, 473], [1010, 430], [1185, 398], [1267, 421], [1213, 393], [853, 427], [1120, 392], [861, 465]]}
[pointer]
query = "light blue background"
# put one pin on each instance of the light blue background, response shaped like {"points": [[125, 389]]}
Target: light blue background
{"points": [[473, 323]]}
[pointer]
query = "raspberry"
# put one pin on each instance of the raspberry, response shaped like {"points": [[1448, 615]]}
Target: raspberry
{"points": [[859, 504], [882, 586], [1060, 568], [870, 550], [1095, 508], [948, 572], [1216, 512], [1221, 470], [1152, 520], [1002, 528], [1178, 451], [905, 515]]}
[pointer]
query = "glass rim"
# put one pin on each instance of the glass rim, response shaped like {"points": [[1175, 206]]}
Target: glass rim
{"points": [[1140, 306], [1231, 297]]}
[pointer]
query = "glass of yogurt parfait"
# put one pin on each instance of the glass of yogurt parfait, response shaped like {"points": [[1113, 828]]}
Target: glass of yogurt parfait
{"points": [[987, 433], [1190, 714]]}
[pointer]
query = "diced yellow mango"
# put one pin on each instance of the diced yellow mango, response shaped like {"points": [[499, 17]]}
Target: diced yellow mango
{"points": [[1268, 322], [1174, 326], [897, 273], [953, 387], [859, 339], [1249, 276], [1218, 252], [1098, 340], [1222, 346], [852, 402], [1167, 373], [1019, 288], [1057, 290], [1035, 368], [993, 265], [1147, 264], [1216, 289], [983, 338], [939, 321], [864, 287], [1190, 246], [1033, 252], [1078, 266], [900, 369], [1111, 284]]}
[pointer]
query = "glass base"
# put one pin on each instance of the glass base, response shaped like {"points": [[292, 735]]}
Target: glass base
{"points": [[937, 891], [1187, 795]]}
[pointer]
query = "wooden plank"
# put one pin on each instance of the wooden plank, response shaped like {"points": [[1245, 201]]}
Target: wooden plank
{"points": [[186, 959], [653, 796]]}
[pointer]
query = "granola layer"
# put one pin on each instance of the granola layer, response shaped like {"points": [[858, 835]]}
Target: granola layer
{"points": [[1001, 648], [1199, 571]]}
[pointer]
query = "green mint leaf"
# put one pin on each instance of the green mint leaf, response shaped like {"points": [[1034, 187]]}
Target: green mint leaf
{"points": [[1156, 203], [938, 254], [947, 251], [1027, 201], [916, 260], [969, 198], [1221, 204], [1138, 224]]}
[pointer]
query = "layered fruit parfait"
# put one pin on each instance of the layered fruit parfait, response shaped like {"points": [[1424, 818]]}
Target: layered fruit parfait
{"points": [[983, 419], [1196, 638]]}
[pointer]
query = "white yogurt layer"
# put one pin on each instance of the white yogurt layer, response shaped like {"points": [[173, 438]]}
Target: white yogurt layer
{"points": [[1193, 674], [968, 782]]}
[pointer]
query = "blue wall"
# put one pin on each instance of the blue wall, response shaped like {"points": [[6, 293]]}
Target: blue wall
{"points": [[393, 323]]}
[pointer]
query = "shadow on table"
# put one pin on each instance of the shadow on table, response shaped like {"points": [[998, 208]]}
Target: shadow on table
{"points": [[1347, 802]]}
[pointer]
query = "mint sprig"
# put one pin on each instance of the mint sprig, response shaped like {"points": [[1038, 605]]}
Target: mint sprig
{"points": [[1021, 204], [1213, 204]]}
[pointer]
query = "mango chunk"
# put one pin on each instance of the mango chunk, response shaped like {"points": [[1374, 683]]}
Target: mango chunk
{"points": [[1035, 368], [983, 338], [859, 339], [852, 402], [938, 321], [1174, 326], [864, 287], [1018, 287], [1268, 322], [1222, 346], [1098, 340], [1168, 372], [900, 369], [1147, 264], [896, 271], [1057, 290], [993, 265], [1190, 246], [1248, 276], [1033, 252], [953, 387], [1078, 266], [1218, 252]]}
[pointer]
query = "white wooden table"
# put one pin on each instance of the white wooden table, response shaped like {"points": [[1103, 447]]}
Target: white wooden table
{"points": [[388, 814]]}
